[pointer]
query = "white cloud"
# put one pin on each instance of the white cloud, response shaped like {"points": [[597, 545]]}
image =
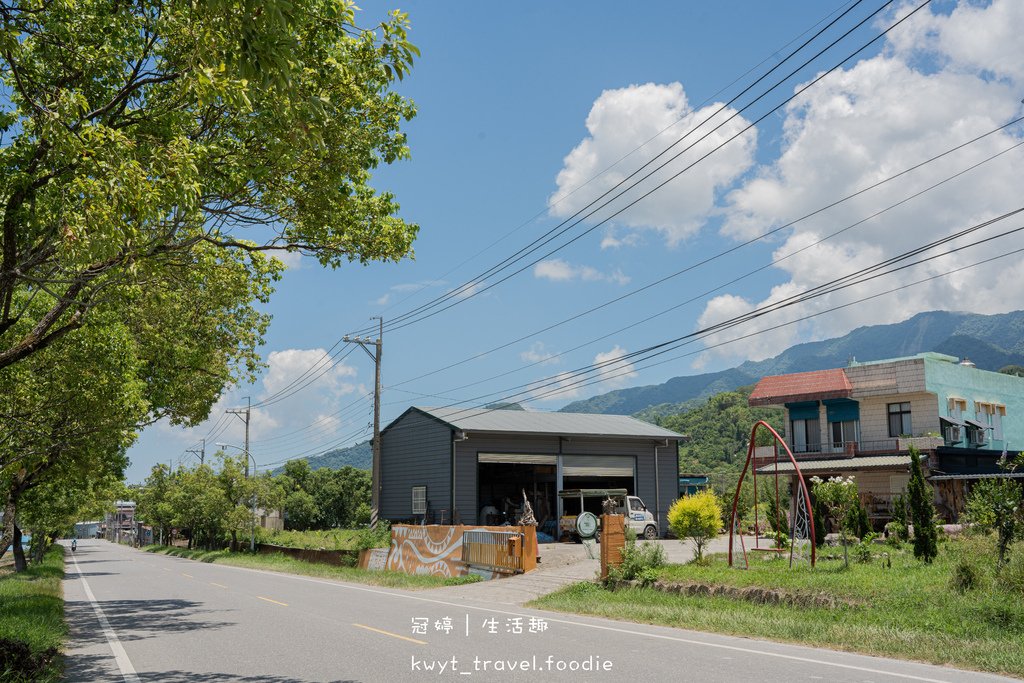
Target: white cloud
{"points": [[558, 270], [938, 84], [291, 259], [613, 241], [537, 353], [624, 119], [382, 300]]}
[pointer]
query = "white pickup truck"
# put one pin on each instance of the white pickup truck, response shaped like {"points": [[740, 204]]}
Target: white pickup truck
{"points": [[577, 501]]}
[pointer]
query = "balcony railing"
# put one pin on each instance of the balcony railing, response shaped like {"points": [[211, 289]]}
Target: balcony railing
{"points": [[854, 448]]}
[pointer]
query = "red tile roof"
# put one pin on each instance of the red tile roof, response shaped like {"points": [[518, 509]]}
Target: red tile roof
{"points": [[801, 386]]}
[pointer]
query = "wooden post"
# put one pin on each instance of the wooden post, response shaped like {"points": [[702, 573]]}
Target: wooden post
{"points": [[613, 540]]}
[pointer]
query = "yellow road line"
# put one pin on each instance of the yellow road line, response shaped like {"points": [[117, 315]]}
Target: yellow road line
{"points": [[188, 575], [283, 604], [218, 585], [165, 569], [389, 633]]}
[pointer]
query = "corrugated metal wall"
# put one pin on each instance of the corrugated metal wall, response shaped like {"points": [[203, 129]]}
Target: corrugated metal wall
{"points": [[415, 451]]}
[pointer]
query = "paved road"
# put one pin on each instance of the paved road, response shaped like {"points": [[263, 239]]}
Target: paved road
{"points": [[141, 617]]}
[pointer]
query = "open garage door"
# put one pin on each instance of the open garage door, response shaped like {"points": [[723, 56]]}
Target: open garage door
{"points": [[503, 477], [598, 466]]}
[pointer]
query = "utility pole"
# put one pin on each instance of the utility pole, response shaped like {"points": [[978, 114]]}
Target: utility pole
{"points": [[201, 453], [378, 345], [238, 412]]}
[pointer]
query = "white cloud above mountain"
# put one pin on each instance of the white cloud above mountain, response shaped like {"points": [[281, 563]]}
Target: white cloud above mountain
{"points": [[650, 117], [940, 81]]}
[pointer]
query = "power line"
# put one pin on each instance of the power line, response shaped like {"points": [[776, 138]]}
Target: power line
{"points": [[814, 292], [470, 290]]}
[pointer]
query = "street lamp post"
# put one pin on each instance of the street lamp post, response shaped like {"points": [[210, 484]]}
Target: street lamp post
{"points": [[248, 455]]}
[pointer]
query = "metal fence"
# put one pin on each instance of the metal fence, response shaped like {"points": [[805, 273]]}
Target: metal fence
{"points": [[497, 550]]}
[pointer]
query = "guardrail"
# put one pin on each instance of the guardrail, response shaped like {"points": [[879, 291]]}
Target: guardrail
{"points": [[500, 551]]}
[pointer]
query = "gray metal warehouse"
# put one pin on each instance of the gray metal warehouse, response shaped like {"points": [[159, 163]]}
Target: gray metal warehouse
{"points": [[469, 466]]}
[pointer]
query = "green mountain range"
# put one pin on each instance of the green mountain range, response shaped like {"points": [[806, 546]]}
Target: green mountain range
{"points": [[359, 456], [991, 341]]}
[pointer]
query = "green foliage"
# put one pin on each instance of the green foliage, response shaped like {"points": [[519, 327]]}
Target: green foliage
{"points": [[32, 627], [698, 518], [857, 520], [997, 504], [640, 562], [922, 511], [838, 496], [862, 552], [719, 432], [897, 533], [1016, 370], [966, 575], [1011, 575]]}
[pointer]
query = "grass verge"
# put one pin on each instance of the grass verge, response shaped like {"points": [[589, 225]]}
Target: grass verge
{"points": [[32, 628], [277, 562], [907, 611]]}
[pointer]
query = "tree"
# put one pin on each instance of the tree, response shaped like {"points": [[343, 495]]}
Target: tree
{"points": [[154, 156], [839, 497], [997, 504], [145, 140], [698, 518], [153, 502], [922, 511]]}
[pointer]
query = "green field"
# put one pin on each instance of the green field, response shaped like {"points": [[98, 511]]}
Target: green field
{"points": [[280, 563], [908, 610], [32, 628]]}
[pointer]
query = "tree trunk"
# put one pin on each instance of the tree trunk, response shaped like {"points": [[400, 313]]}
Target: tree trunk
{"points": [[234, 540], [19, 553], [7, 535]]}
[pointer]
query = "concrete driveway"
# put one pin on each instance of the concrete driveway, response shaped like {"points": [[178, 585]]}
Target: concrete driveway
{"points": [[562, 564]]}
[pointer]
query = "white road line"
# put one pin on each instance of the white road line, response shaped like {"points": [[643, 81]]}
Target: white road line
{"points": [[124, 664], [600, 627]]}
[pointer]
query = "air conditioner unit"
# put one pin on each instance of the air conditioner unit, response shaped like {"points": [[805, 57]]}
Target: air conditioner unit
{"points": [[977, 437], [953, 434]]}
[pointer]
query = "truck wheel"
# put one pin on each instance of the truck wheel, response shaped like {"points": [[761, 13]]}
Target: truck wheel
{"points": [[650, 533]]}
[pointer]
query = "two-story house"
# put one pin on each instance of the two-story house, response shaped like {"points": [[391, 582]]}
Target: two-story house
{"points": [[861, 420]]}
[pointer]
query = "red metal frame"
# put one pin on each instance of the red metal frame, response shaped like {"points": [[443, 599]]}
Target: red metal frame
{"points": [[751, 448]]}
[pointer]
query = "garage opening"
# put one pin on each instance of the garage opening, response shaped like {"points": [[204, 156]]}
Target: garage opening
{"points": [[599, 472], [501, 480]]}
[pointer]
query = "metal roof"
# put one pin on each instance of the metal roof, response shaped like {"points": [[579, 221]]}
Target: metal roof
{"points": [[999, 475], [834, 464], [535, 422]]}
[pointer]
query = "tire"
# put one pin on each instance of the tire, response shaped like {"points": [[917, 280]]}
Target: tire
{"points": [[650, 533]]}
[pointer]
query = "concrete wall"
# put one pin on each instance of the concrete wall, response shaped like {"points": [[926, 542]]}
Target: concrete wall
{"points": [[415, 451], [947, 379]]}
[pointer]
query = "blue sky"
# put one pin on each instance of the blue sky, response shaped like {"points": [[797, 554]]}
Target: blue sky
{"points": [[522, 104]]}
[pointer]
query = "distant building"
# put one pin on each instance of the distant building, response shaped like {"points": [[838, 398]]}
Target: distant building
{"points": [[862, 419], [119, 525], [690, 484]]}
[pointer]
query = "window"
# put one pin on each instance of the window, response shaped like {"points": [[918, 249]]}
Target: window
{"points": [[957, 406], [806, 436], [899, 419], [843, 433], [419, 500], [997, 422]]}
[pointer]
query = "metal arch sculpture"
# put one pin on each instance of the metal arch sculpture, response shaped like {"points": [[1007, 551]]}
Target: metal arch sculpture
{"points": [[802, 517]]}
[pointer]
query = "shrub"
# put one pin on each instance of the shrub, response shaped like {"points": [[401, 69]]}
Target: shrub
{"points": [[966, 576], [862, 552], [897, 532], [639, 562], [1012, 573], [857, 520], [697, 518]]}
